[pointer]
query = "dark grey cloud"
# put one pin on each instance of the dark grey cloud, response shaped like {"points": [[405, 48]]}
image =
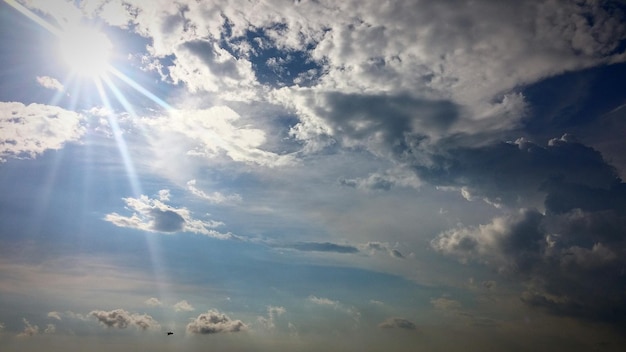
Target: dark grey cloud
{"points": [[572, 262], [511, 173], [397, 323], [167, 220], [121, 319], [383, 122], [213, 322], [323, 247]]}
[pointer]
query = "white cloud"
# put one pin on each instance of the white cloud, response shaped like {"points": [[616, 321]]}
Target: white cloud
{"points": [[214, 197], [183, 306], [154, 302], [54, 315], [219, 132], [213, 322], [29, 130], [155, 216], [50, 83], [121, 319]]}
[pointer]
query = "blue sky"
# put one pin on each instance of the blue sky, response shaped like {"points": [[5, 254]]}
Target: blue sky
{"points": [[312, 175]]}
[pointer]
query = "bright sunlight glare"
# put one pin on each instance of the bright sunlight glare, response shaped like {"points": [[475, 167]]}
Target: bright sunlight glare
{"points": [[86, 51]]}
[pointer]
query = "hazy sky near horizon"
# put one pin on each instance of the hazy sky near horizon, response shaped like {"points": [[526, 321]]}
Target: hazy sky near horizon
{"points": [[312, 175]]}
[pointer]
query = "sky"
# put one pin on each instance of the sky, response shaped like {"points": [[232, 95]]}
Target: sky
{"points": [[312, 175]]}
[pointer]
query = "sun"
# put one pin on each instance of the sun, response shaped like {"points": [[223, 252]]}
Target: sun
{"points": [[85, 50]]}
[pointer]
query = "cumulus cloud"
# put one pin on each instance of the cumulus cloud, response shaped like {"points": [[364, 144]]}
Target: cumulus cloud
{"points": [[153, 301], [460, 74], [572, 261], [29, 329], [213, 322], [397, 323], [50, 83], [183, 306], [30, 130], [121, 319], [54, 315], [155, 216]]}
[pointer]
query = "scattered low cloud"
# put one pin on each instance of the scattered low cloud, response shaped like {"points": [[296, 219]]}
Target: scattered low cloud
{"points": [[213, 322], [183, 306], [273, 312], [29, 329], [155, 216], [153, 301], [397, 323], [54, 315], [121, 319], [50, 83]]}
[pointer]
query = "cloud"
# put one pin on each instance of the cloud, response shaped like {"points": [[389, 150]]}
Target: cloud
{"points": [[30, 130], [155, 216], [336, 305], [50, 329], [373, 247], [384, 181], [219, 132], [29, 329], [397, 323], [121, 319], [154, 302], [273, 312], [183, 306], [215, 197], [50, 83], [570, 261], [520, 172], [54, 315], [213, 322], [323, 247]]}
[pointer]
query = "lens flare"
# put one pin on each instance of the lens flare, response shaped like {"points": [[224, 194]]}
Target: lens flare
{"points": [[86, 51]]}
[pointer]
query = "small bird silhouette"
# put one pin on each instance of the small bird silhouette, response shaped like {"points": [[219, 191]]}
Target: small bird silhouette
{"points": [[170, 333]]}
